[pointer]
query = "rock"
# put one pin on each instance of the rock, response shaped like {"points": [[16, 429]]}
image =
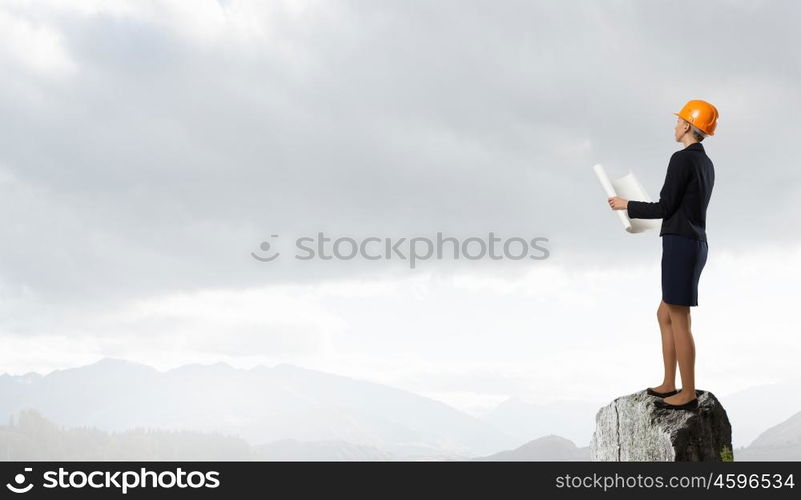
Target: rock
{"points": [[632, 429]]}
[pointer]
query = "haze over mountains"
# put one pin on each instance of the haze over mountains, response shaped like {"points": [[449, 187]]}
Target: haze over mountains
{"points": [[570, 419], [780, 442], [261, 405], [29, 436], [758, 408], [551, 448], [290, 413]]}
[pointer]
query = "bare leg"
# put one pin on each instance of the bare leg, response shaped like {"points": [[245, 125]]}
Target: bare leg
{"points": [[685, 353], [668, 349]]}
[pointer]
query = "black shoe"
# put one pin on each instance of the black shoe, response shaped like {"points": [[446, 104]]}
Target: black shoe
{"points": [[689, 405], [660, 394]]}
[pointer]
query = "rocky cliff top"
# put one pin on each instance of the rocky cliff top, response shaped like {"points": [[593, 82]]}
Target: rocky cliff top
{"points": [[632, 428]]}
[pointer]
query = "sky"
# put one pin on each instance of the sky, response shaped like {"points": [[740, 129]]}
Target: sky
{"points": [[148, 148]]}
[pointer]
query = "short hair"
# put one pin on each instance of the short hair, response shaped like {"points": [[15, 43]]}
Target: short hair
{"points": [[697, 133], [699, 136]]}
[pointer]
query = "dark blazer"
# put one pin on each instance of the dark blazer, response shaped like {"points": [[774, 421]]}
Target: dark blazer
{"points": [[684, 196]]}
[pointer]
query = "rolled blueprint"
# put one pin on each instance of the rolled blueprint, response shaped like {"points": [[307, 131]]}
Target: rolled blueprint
{"points": [[629, 188]]}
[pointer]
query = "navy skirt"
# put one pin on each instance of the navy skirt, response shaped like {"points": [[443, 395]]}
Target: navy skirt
{"points": [[683, 260]]}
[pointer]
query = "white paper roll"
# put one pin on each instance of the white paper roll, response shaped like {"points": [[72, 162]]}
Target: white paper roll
{"points": [[629, 188]]}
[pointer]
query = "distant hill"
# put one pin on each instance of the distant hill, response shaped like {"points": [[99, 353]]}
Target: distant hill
{"points": [[294, 450], [33, 437], [546, 448], [525, 420], [261, 405], [30, 436], [781, 442], [755, 409]]}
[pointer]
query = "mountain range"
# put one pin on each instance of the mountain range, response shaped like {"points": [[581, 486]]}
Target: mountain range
{"points": [[286, 412], [261, 405]]}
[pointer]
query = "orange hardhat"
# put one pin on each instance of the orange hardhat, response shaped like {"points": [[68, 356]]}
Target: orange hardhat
{"points": [[701, 114]]}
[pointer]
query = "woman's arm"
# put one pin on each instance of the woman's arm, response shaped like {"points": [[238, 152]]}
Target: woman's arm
{"points": [[671, 194]]}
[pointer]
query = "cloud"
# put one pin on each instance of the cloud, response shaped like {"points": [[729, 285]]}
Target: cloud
{"points": [[184, 140], [470, 338], [146, 148], [34, 47]]}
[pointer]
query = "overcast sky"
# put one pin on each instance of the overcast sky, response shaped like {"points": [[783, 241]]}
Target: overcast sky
{"points": [[147, 148]]}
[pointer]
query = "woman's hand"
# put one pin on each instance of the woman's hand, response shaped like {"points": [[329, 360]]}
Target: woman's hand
{"points": [[618, 203]]}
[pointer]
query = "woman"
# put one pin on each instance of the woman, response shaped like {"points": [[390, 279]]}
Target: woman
{"points": [[682, 206]]}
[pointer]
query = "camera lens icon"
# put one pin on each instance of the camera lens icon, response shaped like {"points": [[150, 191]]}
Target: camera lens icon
{"points": [[20, 486]]}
